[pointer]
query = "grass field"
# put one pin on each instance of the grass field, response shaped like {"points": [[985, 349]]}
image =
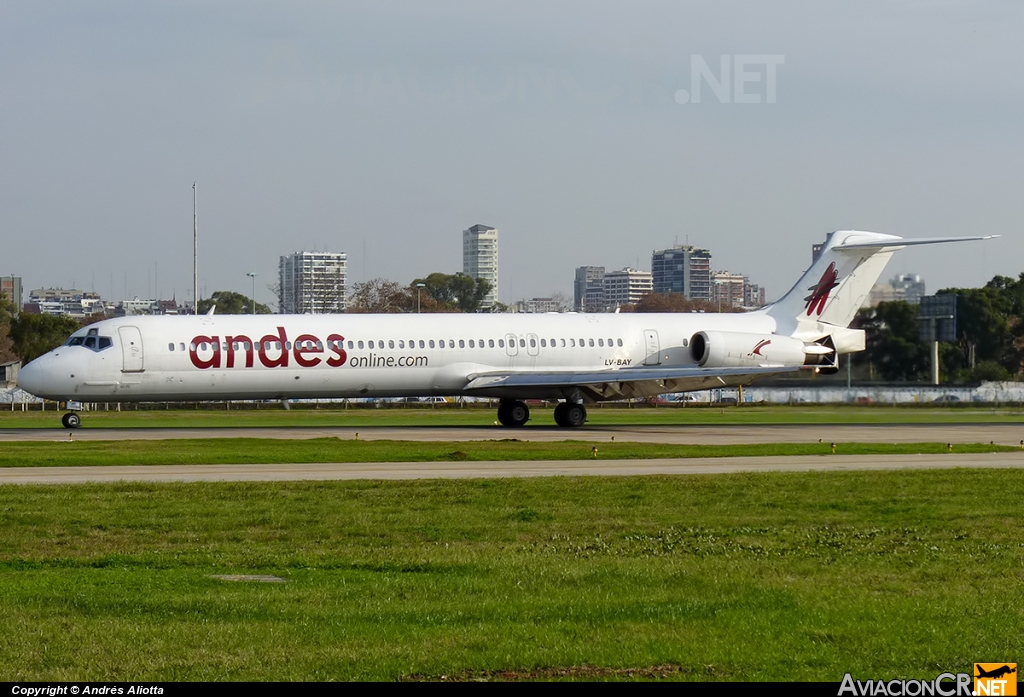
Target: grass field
{"points": [[739, 577], [608, 415], [272, 451]]}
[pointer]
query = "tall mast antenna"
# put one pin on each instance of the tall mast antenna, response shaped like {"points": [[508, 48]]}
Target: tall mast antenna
{"points": [[195, 253]]}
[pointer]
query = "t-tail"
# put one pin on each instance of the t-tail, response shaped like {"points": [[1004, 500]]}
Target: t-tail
{"points": [[825, 300]]}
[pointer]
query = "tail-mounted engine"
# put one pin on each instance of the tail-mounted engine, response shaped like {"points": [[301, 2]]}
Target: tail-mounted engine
{"points": [[741, 350]]}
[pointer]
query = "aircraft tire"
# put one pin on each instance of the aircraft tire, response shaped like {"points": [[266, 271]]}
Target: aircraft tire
{"points": [[575, 415], [513, 413], [71, 420]]}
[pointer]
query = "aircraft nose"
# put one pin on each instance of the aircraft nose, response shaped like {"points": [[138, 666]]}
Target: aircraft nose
{"points": [[32, 378]]}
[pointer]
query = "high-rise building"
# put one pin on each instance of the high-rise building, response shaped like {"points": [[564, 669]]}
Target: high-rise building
{"points": [[588, 289], [906, 287], [313, 283], [10, 286], [682, 269], [480, 258], [727, 289], [625, 287]]}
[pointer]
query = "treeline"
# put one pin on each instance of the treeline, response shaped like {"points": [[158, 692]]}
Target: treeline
{"points": [[989, 337]]}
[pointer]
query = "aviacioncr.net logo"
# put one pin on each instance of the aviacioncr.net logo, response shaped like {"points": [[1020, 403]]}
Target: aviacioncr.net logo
{"points": [[945, 685]]}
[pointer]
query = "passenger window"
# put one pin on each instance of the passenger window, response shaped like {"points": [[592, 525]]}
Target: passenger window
{"points": [[533, 343], [685, 342], [543, 343], [431, 343], [522, 343], [472, 345], [600, 342], [224, 346], [563, 343], [391, 343], [619, 342], [572, 343], [501, 343], [583, 343], [277, 345], [591, 343], [490, 343], [170, 346], [181, 345], [401, 343], [192, 347], [360, 343], [350, 345], [370, 343], [451, 343], [421, 343], [610, 343], [462, 344]]}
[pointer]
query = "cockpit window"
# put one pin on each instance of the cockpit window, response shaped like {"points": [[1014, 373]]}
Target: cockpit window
{"points": [[91, 341]]}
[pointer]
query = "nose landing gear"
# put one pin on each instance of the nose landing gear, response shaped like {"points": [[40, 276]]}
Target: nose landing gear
{"points": [[71, 420], [570, 415]]}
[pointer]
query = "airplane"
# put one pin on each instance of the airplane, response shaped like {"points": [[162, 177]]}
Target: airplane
{"points": [[573, 358]]}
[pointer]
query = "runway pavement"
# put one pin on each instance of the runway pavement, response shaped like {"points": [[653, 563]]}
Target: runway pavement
{"points": [[465, 470], [1001, 433]]}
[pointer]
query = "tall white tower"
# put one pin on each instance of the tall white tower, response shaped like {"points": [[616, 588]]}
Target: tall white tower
{"points": [[313, 283], [480, 258]]}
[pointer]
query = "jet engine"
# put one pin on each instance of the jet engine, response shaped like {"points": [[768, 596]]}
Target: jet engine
{"points": [[741, 350]]}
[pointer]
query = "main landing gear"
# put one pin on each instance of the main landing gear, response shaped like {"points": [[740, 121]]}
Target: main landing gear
{"points": [[71, 420], [570, 414], [516, 413], [513, 413]]}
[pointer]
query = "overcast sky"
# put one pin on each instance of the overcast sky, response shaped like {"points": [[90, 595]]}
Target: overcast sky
{"points": [[384, 129]]}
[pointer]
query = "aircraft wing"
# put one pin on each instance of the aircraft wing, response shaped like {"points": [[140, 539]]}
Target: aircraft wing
{"points": [[621, 382]]}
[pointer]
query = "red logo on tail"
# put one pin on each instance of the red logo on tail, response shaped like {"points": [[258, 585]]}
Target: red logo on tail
{"points": [[760, 345], [820, 292]]}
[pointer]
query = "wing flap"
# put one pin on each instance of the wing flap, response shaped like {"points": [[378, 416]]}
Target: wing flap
{"points": [[667, 379]]}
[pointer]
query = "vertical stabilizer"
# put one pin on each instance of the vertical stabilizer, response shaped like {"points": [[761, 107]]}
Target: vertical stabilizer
{"points": [[836, 285]]}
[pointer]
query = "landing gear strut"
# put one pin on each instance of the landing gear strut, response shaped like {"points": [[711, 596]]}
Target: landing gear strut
{"points": [[570, 415], [513, 413], [71, 420]]}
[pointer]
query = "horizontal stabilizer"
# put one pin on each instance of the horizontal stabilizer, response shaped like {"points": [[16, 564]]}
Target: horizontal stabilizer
{"points": [[899, 242]]}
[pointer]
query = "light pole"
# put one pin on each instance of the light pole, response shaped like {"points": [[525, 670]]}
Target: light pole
{"points": [[252, 275], [419, 286]]}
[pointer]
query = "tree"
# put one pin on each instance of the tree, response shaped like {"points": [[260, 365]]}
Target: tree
{"points": [[384, 296], [455, 291], [33, 335], [563, 303], [893, 348], [671, 302], [7, 353], [231, 303]]}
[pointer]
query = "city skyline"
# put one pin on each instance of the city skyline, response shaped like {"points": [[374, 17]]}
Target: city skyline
{"points": [[390, 127]]}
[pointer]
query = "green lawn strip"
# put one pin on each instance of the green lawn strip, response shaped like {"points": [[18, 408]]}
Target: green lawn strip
{"points": [[599, 415], [271, 451], [774, 576]]}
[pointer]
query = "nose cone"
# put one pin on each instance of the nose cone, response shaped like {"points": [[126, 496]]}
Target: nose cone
{"points": [[32, 377]]}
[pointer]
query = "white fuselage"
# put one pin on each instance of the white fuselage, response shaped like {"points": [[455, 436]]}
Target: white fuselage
{"points": [[334, 356]]}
